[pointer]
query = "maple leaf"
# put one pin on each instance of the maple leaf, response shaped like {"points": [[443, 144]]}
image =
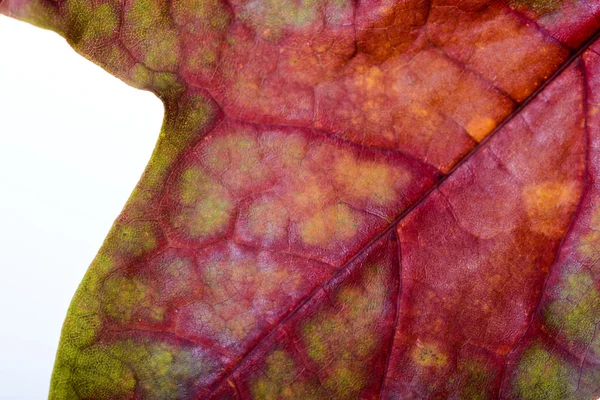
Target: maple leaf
{"points": [[377, 199]]}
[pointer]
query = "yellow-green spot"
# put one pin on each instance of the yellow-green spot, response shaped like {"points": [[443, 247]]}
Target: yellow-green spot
{"points": [[166, 83], [192, 183], [542, 375], [111, 56], [164, 369], [539, 7], [138, 203], [193, 114], [144, 13], [279, 372], [86, 297], [78, 14], [137, 238], [196, 112], [578, 311], [150, 29], [477, 381], [140, 76], [103, 23], [271, 17], [80, 330], [211, 214], [341, 340], [162, 51], [158, 370], [315, 334], [83, 321], [210, 14], [281, 381], [123, 296], [347, 380], [97, 374], [160, 163], [208, 206], [203, 57], [81, 325], [428, 355]]}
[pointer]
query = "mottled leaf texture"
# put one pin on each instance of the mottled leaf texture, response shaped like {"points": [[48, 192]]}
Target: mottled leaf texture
{"points": [[374, 199]]}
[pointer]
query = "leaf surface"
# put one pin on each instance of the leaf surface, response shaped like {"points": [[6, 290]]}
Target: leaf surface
{"points": [[375, 199]]}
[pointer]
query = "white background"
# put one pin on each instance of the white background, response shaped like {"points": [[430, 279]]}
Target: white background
{"points": [[73, 143]]}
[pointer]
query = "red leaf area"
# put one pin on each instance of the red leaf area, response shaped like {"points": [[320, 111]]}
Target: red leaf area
{"points": [[374, 199]]}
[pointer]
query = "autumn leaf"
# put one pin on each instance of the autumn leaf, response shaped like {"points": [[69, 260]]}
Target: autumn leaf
{"points": [[377, 199]]}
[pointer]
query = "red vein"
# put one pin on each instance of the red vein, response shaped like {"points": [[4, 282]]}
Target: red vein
{"points": [[536, 309], [575, 56], [396, 318]]}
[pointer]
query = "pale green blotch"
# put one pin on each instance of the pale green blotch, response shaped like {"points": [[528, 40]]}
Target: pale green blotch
{"points": [[103, 23], [539, 7], [342, 342], [150, 28], [208, 216], [81, 330], [83, 319], [316, 334], [542, 375], [338, 10], [144, 13], [115, 370], [267, 220], [209, 14], [271, 17], [98, 375], [163, 50], [200, 58], [140, 76], [123, 296], [85, 300], [578, 311], [78, 15], [81, 325], [193, 184], [477, 381], [160, 164], [162, 368], [137, 238], [346, 381], [166, 83], [237, 155], [208, 205], [194, 113], [139, 202], [331, 225], [281, 381]]}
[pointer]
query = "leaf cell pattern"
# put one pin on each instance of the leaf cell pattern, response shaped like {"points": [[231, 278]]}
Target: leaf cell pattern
{"points": [[377, 199]]}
